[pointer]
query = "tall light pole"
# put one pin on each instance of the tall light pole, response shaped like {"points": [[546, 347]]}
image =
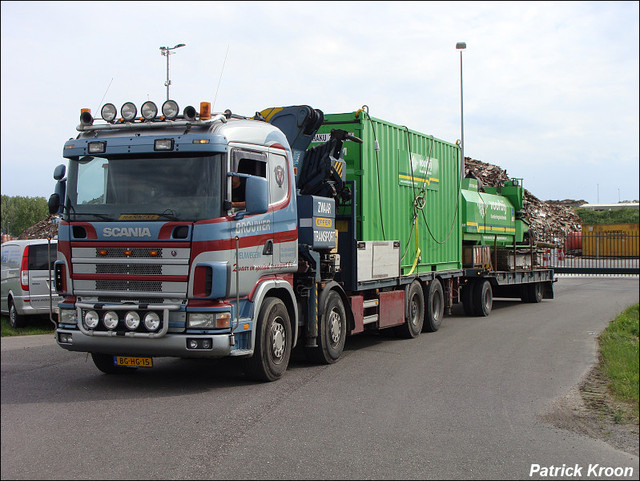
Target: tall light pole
{"points": [[461, 46], [166, 51]]}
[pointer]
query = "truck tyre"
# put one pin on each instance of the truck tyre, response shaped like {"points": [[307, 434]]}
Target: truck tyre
{"points": [[435, 307], [273, 342], [332, 331], [467, 298], [413, 312], [482, 298], [532, 293], [104, 362], [16, 320]]}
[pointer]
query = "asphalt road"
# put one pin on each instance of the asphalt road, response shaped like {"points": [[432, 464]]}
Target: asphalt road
{"points": [[463, 403]]}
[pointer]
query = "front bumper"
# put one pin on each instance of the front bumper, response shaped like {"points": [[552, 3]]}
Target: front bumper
{"points": [[170, 345]]}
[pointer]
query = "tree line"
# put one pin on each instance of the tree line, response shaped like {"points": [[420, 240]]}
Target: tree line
{"points": [[626, 215], [17, 213]]}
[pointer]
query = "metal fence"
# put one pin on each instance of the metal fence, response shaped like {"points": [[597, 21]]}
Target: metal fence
{"points": [[594, 253]]}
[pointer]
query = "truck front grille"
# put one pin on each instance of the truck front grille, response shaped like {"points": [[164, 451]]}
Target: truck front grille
{"points": [[129, 286], [130, 271]]}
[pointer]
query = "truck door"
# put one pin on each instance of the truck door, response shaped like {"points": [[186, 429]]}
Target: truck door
{"points": [[285, 246], [254, 232]]}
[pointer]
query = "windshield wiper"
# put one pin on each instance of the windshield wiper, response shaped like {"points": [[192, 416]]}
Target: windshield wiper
{"points": [[99, 216], [167, 214]]}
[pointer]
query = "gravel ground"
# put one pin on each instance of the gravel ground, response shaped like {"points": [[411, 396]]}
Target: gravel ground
{"points": [[590, 410]]}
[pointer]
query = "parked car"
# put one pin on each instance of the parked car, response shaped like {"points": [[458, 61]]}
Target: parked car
{"points": [[25, 286]]}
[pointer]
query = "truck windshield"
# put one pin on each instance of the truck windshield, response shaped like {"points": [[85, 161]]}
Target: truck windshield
{"points": [[133, 188]]}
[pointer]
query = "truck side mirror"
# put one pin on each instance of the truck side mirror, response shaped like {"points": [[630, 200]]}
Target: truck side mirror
{"points": [[257, 195], [59, 172], [56, 199], [54, 203]]}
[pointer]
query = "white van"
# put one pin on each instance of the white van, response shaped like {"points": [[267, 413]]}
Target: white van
{"points": [[25, 284]]}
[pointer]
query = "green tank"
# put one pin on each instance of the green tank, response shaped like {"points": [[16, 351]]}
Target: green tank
{"points": [[407, 188], [493, 216]]}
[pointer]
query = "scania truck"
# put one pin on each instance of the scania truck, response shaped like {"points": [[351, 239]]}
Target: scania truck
{"points": [[197, 235]]}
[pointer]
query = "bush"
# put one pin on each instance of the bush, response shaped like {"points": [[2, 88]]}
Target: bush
{"points": [[618, 216]]}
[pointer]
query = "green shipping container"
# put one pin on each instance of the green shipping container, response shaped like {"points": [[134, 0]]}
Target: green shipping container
{"points": [[408, 191]]}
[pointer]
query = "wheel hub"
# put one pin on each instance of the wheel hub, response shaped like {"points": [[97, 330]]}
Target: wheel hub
{"points": [[277, 335], [334, 327]]}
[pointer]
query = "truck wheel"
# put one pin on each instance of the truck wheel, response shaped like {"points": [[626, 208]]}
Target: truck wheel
{"points": [[482, 298], [532, 292], [435, 307], [273, 342], [414, 312], [15, 320], [332, 331], [467, 298], [104, 362]]}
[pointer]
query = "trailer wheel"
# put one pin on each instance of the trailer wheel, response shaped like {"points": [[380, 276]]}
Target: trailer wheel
{"points": [[414, 312], [16, 320], [435, 307], [467, 298], [482, 298], [332, 331], [104, 362], [532, 293], [273, 342]]}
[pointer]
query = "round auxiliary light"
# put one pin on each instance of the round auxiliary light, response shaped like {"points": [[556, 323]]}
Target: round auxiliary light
{"points": [[149, 110], [91, 319], [110, 320], [109, 112], [132, 320], [170, 109], [152, 321], [128, 111]]}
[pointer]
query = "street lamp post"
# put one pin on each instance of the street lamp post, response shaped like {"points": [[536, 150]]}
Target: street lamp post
{"points": [[461, 46], [166, 51]]}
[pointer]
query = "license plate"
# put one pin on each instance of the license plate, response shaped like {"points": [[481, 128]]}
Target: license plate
{"points": [[129, 361]]}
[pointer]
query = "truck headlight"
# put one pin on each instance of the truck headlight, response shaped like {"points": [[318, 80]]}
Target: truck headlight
{"points": [[209, 320], [201, 320], [67, 316]]}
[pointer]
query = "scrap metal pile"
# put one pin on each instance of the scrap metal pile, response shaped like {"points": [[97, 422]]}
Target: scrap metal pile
{"points": [[551, 220], [41, 230]]}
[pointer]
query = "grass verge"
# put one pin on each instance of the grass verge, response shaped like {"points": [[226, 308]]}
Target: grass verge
{"points": [[35, 325], [619, 362]]}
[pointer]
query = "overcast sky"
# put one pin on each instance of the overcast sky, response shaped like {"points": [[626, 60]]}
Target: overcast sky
{"points": [[550, 88]]}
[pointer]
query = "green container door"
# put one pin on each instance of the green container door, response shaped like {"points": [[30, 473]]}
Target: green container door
{"points": [[407, 191]]}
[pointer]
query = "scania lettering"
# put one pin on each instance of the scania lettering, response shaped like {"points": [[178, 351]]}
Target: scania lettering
{"points": [[126, 232], [199, 235]]}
